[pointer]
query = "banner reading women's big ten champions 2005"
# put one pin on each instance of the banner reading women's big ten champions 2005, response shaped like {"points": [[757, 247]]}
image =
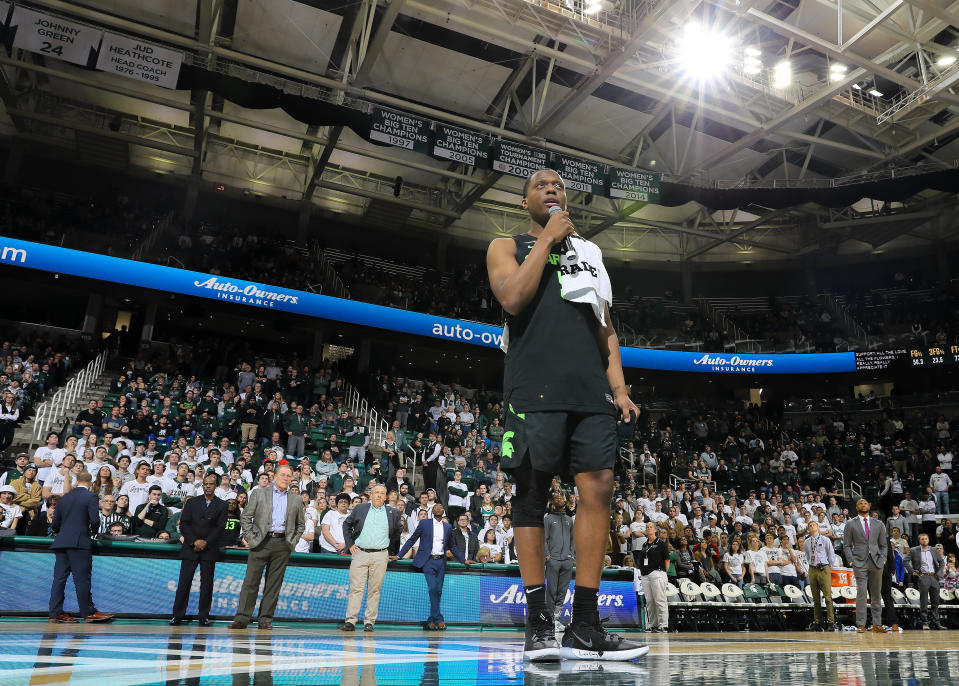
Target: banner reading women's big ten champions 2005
{"points": [[55, 259], [308, 592]]}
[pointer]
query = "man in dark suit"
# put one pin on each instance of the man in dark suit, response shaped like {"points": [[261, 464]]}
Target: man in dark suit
{"points": [[75, 520], [201, 524], [371, 533], [465, 539], [927, 566], [436, 537]]}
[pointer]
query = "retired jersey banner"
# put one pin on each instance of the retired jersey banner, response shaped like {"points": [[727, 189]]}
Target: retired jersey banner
{"points": [[52, 258], [400, 129], [139, 60], [57, 37]]}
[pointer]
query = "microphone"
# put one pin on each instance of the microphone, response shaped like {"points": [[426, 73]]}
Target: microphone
{"points": [[567, 242]]}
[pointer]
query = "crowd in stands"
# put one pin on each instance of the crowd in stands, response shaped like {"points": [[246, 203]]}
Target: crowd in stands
{"points": [[923, 316], [31, 367], [255, 253], [749, 484], [732, 492], [107, 223]]}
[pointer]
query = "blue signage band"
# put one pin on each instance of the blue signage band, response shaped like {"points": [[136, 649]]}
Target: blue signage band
{"points": [[52, 258]]}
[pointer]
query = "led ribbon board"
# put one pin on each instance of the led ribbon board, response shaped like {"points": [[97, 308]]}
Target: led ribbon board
{"points": [[51, 258]]}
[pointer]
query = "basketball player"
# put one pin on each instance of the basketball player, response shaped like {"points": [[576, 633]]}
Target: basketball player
{"points": [[564, 391]]}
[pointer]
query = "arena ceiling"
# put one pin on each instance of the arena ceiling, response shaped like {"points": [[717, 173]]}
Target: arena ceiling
{"points": [[803, 93]]}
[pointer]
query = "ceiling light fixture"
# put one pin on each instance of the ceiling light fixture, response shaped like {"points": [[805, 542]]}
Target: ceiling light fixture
{"points": [[837, 72], [874, 93], [704, 53], [945, 61], [782, 74]]}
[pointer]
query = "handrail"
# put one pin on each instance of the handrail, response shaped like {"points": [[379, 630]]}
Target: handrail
{"points": [[855, 489], [54, 411]]}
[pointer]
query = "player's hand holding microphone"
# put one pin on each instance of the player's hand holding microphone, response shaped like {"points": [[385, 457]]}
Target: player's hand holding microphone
{"points": [[559, 225]]}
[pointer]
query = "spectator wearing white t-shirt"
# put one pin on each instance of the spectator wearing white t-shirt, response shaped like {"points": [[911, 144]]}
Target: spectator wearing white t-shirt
{"points": [[756, 559], [48, 456], [637, 531], [60, 480], [734, 563], [331, 528], [9, 513], [940, 484], [138, 488], [306, 538]]}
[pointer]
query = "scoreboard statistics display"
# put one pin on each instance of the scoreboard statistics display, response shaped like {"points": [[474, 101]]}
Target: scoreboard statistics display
{"points": [[906, 358]]}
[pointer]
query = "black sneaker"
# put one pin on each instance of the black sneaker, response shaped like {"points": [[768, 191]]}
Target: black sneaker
{"points": [[591, 641], [541, 644]]}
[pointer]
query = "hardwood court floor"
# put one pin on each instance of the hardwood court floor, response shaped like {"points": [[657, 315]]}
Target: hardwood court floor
{"points": [[151, 652]]}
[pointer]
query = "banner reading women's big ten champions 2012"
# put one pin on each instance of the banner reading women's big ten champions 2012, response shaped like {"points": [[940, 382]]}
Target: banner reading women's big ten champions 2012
{"points": [[308, 592]]}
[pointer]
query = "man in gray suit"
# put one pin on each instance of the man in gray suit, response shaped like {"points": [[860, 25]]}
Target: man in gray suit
{"points": [[272, 523], [865, 539], [926, 565]]}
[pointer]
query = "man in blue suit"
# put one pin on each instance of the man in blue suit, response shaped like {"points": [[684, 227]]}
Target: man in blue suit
{"points": [[75, 519], [435, 537]]}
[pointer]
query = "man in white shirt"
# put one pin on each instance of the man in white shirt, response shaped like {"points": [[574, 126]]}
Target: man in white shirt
{"points": [[60, 480], [48, 456], [910, 509], [9, 513], [331, 528], [940, 484], [138, 489]]}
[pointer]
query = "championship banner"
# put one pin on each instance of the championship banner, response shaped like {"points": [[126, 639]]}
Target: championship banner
{"points": [[580, 175], [400, 129], [54, 36], [52, 258], [634, 185], [461, 145], [138, 60], [518, 160]]}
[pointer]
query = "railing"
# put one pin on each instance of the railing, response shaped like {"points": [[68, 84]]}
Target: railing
{"points": [[841, 312], [332, 283], [842, 481], [360, 407], [855, 490], [146, 244], [54, 411]]}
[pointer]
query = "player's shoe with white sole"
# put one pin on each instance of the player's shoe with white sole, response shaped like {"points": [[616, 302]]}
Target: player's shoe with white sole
{"points": [[541, 644], [591, 641]]}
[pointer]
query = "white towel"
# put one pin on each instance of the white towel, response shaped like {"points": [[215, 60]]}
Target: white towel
{"points": [[583, 277]]}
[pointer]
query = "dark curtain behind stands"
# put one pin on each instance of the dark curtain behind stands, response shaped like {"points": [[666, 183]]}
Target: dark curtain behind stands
{"points": [[842, 196]]}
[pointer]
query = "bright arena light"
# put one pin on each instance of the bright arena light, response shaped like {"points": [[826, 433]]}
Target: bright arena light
{"points": [[752, 64], [945, 61], [837, 72], [782, 74], [703, 53]]}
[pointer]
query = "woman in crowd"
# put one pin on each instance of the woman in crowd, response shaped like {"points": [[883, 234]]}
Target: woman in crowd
{"points": [[103, 484], [756, 559], [495, 550], [950, 580], [404, 537], [123, 512], [734, 563]]}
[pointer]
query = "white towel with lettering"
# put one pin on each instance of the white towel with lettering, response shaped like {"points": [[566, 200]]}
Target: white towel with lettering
{"points": [[583, 277]]}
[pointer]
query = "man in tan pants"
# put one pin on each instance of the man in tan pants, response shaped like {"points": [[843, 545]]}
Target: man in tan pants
{"points": [[371, 533], [821, 557]]}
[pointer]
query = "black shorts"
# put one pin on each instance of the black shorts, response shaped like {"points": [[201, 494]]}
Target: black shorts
{"points": [[560, 443]]}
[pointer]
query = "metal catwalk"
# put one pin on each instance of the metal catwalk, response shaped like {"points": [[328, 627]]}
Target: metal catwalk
{"points": [[145, 652]]}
